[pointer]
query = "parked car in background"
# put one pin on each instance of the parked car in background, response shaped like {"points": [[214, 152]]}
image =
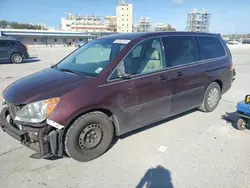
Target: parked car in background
{"points": [[114, 85], [226, 41], [12, 50], [246, 42], [233, 42], [80, 43]]}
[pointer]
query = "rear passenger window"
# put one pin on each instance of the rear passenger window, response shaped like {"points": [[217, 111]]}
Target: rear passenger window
{"points": [[180, 50], [4, 43], [211, 47]]}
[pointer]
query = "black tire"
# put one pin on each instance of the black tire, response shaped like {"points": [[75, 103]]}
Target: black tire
{"points": [[206, 106], [241, 124], [16, 58], [77, 145]]}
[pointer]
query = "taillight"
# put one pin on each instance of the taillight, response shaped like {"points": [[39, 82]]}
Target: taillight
{"points": [[231, 65]]}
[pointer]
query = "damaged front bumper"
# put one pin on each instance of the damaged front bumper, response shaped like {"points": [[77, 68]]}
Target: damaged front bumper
{"points": [[45, 139]]}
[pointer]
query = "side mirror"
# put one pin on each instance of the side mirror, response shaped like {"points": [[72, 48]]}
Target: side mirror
{"points": [[121, 71], [247, 99], [124, 76]]}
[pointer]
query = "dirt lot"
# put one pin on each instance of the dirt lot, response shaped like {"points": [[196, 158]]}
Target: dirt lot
{"points": [[190, 151]]}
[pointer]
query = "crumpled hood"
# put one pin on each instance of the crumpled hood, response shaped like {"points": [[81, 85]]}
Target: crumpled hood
{"points": [[42, 85]]}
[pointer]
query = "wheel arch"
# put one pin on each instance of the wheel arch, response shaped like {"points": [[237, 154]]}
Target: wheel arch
{"points": [[220, 84], [15, 52], [102, 110]]}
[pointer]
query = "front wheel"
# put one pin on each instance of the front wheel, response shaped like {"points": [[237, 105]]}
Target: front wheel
{"points": [[211, 98], [89, 137], [16, 58], [241, 124]]}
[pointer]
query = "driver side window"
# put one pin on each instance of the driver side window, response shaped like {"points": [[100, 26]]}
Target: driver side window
{"points": [[146, 57]]}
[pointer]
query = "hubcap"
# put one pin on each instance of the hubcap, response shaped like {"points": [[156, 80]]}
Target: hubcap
{"points": [[17, 59], [90, 137], [213, 97], [243, 124]]}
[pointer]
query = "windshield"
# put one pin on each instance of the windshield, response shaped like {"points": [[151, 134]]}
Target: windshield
{"points": [[92, 58]]}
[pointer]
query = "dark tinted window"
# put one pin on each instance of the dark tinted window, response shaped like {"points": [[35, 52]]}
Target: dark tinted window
{"points": [[180, 50], [12, 43], [4, 43], [211, 47]]}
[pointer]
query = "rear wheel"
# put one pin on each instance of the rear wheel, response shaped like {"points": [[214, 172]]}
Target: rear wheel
{"points": [[16, 58], [241, 124], [211, 98], [89, 137]]}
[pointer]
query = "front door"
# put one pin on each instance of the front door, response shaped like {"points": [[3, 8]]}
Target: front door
{"points": [[147, 92], [188, 75]]}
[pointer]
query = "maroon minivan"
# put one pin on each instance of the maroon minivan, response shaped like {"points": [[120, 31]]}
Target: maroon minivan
{"points": [[113, 85]]}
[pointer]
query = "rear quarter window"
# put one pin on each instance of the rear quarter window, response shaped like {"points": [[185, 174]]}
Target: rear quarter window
{"points": [[12, 43], [211, 47]]}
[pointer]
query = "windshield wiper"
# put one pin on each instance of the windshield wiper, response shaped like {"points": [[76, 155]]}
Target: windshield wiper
{"points": [[66, 70]]}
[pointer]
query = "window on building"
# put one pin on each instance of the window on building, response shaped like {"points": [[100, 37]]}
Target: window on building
{"points": [[180, 50], [55, 40], [73, 40], [127, 15], [122, 19], [211, 47], [34, 40], [122, 8], [123, 15], [127, 8], [127, 19]]}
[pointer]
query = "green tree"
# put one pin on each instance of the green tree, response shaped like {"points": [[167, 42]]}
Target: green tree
{"points": [[169, 28], [4, 24], [16, 25]]}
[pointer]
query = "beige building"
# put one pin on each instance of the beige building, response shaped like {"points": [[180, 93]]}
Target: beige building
{"points": [[83, 23], [124, 17], [110, 22]]}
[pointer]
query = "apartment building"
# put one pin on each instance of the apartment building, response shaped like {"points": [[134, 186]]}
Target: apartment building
{"points": [[124, 17], [83, 23]]}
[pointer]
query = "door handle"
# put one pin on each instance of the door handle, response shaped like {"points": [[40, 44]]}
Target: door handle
{"points": [[179, 74], [161, 78]]}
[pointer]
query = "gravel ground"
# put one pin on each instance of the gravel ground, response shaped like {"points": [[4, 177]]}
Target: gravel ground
{"points": [[192, 150]]}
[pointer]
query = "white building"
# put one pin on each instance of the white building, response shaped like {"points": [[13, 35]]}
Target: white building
{"points": [[50, 37], [124, 16], [83, 23], [143, 25]]}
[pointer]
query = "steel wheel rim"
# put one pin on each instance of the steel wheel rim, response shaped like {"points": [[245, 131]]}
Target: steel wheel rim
{"points": [[213, 97], [90, 137], [17, 58]]}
